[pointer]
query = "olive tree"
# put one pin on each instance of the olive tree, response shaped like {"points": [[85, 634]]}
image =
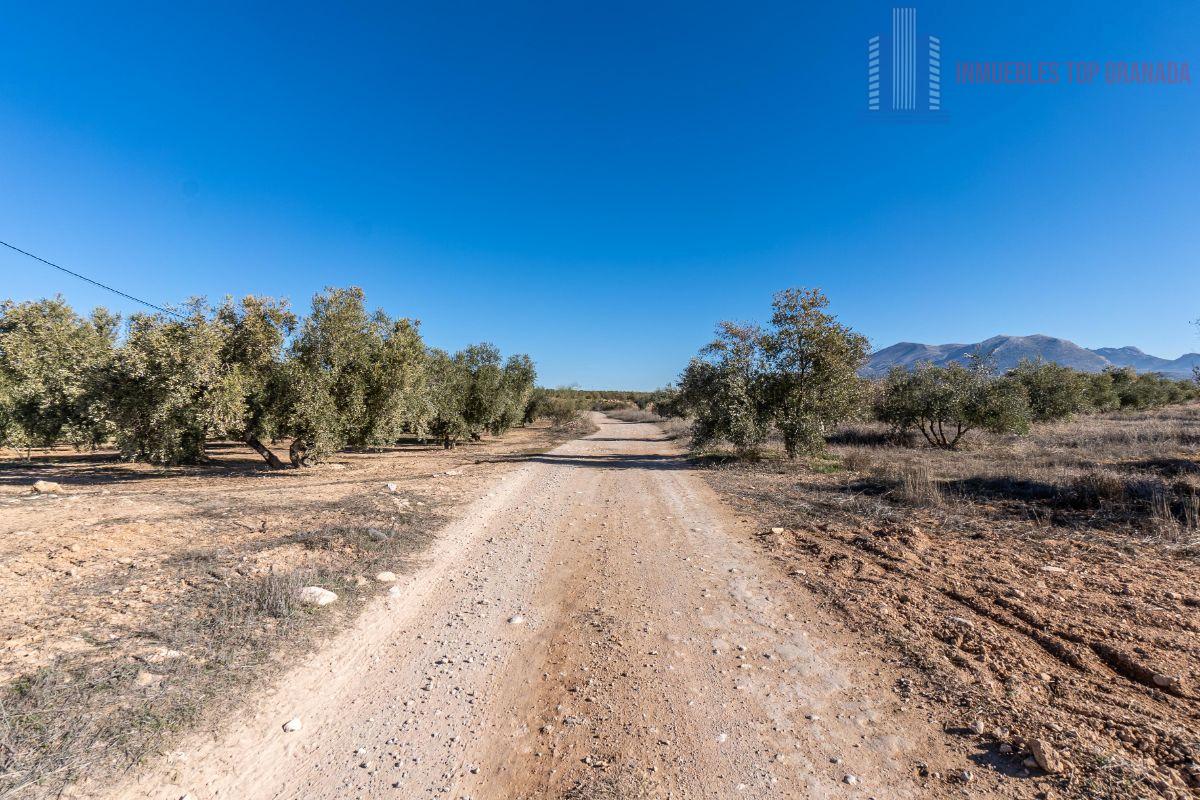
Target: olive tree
{"points": [[446, 394], [475, 392], [722, 391], [1054, 392], [517, 384], [353, 378], [254, 333], [812, 364], [50, 362], [169, 389], [946, 403]]}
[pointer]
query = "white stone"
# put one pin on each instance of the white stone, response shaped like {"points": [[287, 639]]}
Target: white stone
{"points": [[316, 596], [292, 725], [386, 577]]}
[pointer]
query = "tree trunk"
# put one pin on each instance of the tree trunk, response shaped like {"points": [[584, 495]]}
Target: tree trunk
{"points": [[273, 461], [298, 454]]}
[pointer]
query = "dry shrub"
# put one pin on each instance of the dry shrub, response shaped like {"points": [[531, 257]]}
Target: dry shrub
{"points": [[676, 428], [633, 415], [1096, 488], [915, 486], [858, 460]]}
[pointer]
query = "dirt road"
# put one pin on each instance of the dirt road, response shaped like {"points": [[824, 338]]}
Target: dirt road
{"points": [[595, 625]]}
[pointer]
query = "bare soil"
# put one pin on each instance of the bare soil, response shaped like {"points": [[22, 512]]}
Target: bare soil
{"points": [[1026, 614], [594, 625], [140, 601], [606, 620]]}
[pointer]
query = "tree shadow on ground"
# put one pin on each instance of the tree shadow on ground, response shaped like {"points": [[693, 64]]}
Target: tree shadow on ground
{"points": [[610, 461]]}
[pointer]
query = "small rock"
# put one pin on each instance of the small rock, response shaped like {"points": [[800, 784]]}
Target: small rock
{"points": [[1170, 682], [292, 725], [977, 727], [146, 678], [850, 780], [386, 577], [376, 535], [316, 596], [391, 487], [47, 487], [1054, 569], [1045, 756], [395, 591], [777, 531], [516, 620], [162, 654]]}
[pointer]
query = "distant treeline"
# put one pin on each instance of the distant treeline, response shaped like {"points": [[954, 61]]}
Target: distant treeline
{"points": [[798, 378], [161, 385]]}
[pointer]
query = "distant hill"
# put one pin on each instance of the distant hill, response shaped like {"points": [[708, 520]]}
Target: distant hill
{"points": [[1007, 352]]}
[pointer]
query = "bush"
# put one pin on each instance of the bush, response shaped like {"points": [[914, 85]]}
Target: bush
{"points": [[723, 391], [946, 403], [1054, 392]]}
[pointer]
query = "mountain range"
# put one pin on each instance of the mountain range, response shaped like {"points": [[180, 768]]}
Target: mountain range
{"points": [[1007, 352]]}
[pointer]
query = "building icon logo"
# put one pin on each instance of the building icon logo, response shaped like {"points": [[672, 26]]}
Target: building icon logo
{"points": [[915, 86]]}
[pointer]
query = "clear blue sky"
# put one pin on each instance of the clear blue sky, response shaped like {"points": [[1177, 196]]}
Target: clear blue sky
{"points": [[597, 184]]}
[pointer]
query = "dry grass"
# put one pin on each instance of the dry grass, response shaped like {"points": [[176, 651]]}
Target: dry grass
{"points": [[672, 427], [676, 428], [101, 712], [633, 415], [1136, 471]]}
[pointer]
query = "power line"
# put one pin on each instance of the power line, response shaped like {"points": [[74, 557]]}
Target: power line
{"points": [[89, 280]]}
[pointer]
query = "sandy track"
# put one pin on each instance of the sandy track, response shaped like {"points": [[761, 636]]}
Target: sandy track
{"points": [[656, 652]]}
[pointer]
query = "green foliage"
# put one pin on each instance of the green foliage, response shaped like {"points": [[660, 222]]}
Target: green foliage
{"points": [[1148, 390], [471, 393], [799, 376], [254, 332], [1100, 394], [50, 361], [1055, 392], [946, 403], [349, 377], [169, 389], [812, 365], [355, 378], [722, 390]]}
